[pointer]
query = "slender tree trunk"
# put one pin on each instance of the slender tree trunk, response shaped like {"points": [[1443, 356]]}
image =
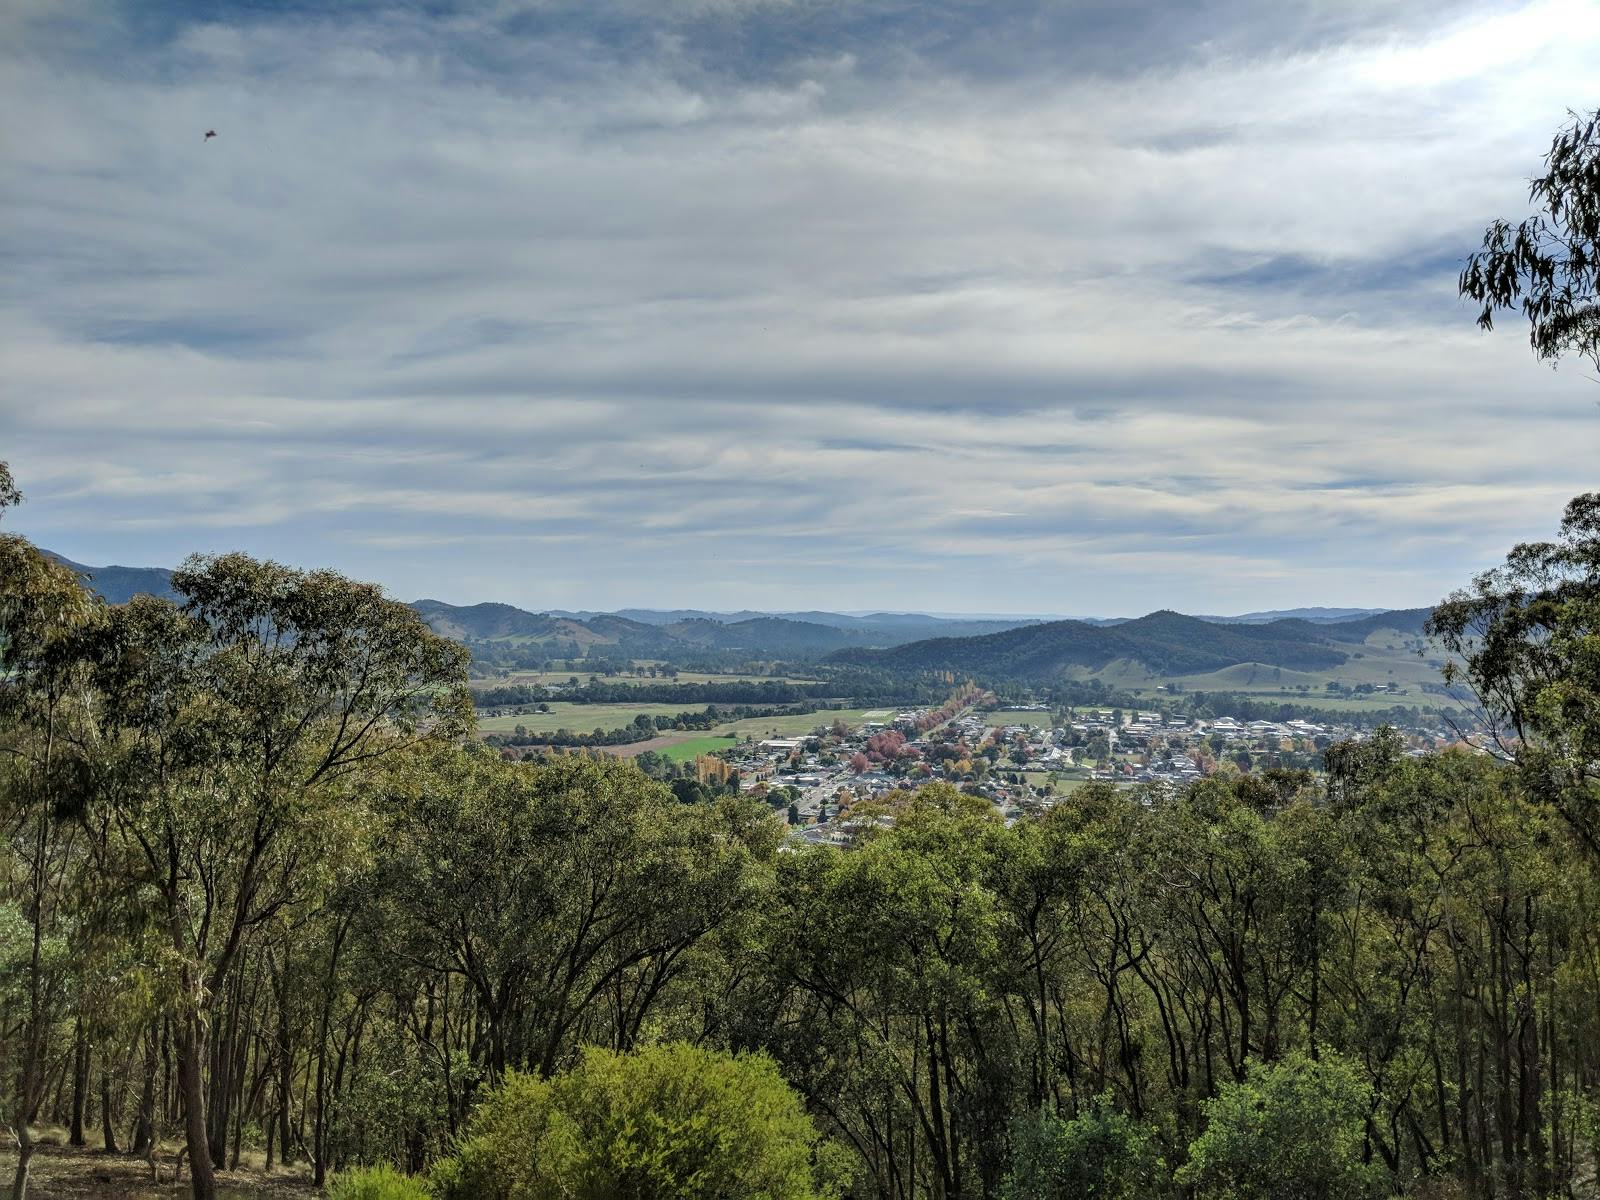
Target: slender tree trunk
{"points": [[191, 1063], [19, 1180], [108, 1133], [80, 1081], [144, 1130], [285, 1071], [319, 1153], [169, 1104]]}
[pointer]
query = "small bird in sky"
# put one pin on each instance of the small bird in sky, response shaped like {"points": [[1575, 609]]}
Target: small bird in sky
{"points": [[210, 133]]}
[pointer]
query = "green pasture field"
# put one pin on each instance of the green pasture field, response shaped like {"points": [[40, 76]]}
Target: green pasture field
{"points": [[694, 747], [1067, 781]]}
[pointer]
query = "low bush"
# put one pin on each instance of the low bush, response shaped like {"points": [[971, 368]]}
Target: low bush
{"points": [[377, 1183]]}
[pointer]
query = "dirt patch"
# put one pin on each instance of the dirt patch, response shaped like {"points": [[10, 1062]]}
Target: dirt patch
{"points": [[68, 1173]]}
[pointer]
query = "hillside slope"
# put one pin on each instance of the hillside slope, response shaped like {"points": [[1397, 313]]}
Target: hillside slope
{"points": [[1167, 643]]}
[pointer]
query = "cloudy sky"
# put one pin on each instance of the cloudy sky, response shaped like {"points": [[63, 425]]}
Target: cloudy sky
{"points": [[942, 305]]}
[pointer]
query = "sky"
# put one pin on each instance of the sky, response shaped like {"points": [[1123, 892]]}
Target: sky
{"points": [[1033, 307]]}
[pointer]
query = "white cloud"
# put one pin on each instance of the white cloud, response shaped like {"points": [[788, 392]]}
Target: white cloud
{"points": [[826, 325]]}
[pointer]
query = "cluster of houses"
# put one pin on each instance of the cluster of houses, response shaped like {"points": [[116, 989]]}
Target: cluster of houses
{"points": [[824, 781]]}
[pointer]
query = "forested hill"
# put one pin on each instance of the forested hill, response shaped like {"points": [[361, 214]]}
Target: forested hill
{"points": [[492, 623], [1168, 643], [611, 634]]}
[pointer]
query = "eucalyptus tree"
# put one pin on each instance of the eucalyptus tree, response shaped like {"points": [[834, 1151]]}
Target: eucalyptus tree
{"points": [[1527, 639], [46, 725], [243, 716]]}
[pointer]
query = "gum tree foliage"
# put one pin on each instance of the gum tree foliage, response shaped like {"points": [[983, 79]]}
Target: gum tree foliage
{"points": [[1547, 266], [10, 497], [1527, 635], [565, 900]]}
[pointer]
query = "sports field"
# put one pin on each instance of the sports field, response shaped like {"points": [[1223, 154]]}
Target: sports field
{"points": [[1035, 720], [694, 747]]}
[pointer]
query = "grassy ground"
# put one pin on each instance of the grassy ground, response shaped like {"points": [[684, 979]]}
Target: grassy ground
{"points": [[685, 751], [1036, 720], [1065, 782], [60, 1172]]}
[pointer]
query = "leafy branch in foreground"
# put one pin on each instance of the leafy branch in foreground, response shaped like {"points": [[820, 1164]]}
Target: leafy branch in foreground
{"points": [[1548, 265]]}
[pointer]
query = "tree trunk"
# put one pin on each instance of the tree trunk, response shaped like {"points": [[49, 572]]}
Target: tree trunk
{"points": [[80, 1081], [191, 1061], [144, 1130], [19, 1181], [285, 1075], [107, 1133]]}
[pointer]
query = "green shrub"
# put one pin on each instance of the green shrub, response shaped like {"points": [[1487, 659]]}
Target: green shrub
{"points": [[1292, 1130], [670, 1123], [377, 1183], [1100, 1153]]}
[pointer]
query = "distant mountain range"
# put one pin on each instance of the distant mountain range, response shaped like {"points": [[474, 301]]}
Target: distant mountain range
{"points": [[995, 623], [118, 585], [864, 622], [760, 635], [1317, 616], [1166, 643]]}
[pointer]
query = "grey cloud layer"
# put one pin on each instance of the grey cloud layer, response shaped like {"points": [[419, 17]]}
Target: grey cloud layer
{"points": [[761, 304]]}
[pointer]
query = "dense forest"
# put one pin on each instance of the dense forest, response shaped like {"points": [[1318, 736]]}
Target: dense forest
{"points": [[263, 892]]}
